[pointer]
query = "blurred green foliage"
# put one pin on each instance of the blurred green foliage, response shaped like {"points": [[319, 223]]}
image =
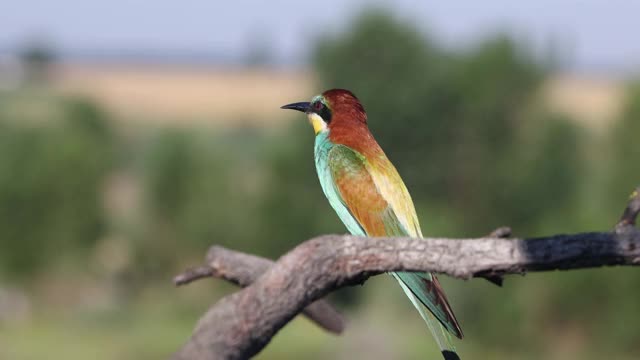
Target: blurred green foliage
{"points": [[200, 187], [51, 177], [463, 128], [472, 140], [624, 169], [241, 188], [467, 131]]}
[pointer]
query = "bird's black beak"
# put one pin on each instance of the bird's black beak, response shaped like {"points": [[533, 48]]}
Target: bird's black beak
{"points": [[300, 106]]}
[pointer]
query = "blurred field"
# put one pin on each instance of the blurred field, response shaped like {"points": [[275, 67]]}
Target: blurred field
{"points": [[187, 95], [593, 100]]}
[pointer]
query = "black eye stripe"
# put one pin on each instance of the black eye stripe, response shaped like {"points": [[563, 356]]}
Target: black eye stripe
{"points": [[321, 109]]}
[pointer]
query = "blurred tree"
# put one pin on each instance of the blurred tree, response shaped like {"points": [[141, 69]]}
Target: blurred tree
{"points": [[624, 170], [294, 208], [542, 177], [403, 80], [51, 177], [455, 124], [201, 187], [36, 58]]}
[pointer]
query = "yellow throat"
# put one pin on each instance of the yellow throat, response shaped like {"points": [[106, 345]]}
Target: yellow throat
{"points": [[316, 121]]}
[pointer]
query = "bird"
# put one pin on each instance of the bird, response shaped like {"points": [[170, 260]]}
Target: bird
{"points": [[370, 198]]}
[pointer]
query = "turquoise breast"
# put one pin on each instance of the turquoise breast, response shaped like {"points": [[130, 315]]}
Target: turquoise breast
{"points": [[322, 150]]}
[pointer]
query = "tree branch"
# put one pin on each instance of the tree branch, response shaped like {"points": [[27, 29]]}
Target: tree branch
{"points": [[242, 324], [243, 269]]}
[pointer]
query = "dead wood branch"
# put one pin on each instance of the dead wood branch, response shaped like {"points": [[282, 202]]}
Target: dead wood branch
{"points": [[241, 324]]}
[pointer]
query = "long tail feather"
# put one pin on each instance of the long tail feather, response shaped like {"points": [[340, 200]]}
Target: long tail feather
{"points": [[439, 332]]}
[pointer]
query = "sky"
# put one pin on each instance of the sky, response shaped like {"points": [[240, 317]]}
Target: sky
{"points": [[593, 35]]}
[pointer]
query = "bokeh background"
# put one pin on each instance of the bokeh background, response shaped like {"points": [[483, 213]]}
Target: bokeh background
{"points": [[133, 135]]}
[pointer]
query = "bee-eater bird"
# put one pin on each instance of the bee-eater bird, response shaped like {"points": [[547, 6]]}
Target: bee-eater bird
{"points": [[366, 191]]}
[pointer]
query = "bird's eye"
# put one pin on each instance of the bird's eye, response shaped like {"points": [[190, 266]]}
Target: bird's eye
{"points": [[317, 106]]}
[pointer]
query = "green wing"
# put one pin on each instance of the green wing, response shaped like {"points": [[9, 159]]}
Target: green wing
{"points": [[373, 196]]}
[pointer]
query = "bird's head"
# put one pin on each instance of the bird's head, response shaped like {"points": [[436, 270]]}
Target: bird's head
{"points": [[332, 107]]}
